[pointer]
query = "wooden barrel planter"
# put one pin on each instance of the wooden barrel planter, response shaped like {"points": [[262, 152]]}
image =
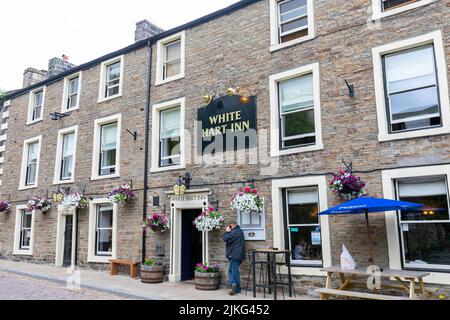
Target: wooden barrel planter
{"points": [[207, 281], [153, 274]]}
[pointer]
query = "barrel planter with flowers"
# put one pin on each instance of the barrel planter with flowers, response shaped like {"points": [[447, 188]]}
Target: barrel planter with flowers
{"points": [[207, 278], [152, 271]]}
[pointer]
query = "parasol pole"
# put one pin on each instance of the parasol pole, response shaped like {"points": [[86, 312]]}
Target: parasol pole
{"points": [[369, 239]]}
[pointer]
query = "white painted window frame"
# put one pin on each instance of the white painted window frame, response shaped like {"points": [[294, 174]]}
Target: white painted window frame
{"points": [[93, 205], [59, 147], [392, 227], [156, 112], [275, 44], [275, 150], [65, 97], [96, 147], [103, 68], [160, 46], [17, 229], [434, 38], [378, 13], [30, 120], [23, 171], [278, 218]]}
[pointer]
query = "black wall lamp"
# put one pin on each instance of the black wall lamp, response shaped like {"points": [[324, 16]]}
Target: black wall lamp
{"points": [[351, 89], [55, 116], [186, 180]]}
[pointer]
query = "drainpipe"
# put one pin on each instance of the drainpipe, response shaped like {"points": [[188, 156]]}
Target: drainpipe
{"points": [[146, 147]]}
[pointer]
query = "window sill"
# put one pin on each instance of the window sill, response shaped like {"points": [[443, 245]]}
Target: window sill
{"points": [[279, 153], [70, 110], [381, 15], [304, 271], [113, 176], [279, 46], [100, 259], [29, 123], [23, 253], [60, 182], [101, 100], [174, 78], [21, 188], [413, 134], [165, 169]]}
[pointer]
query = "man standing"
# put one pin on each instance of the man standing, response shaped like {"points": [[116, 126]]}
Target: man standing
{"points": [[235, 253]]}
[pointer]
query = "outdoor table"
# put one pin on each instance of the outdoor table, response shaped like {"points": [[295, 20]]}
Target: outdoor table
{"points": [[406, 281], [272, 265]]}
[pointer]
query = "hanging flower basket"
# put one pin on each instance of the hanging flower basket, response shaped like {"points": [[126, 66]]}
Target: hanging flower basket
{"points": [[4, 206], [157, 223], [75, 200], [247, 201], [39, 203], [347, 186], [121, 194], [209, 220]]}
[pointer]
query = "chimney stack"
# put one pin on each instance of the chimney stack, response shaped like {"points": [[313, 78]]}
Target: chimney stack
{"points": [[145, 29], [57, 65], [32, 76]]}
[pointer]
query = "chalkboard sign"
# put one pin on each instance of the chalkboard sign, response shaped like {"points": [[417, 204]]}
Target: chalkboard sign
{"points": [[227, 123]]}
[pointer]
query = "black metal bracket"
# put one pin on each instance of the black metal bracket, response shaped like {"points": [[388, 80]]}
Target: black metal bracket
{"points": [[55, 116], [134, 134], [186, 180], [348, 166], [216, 205], [351, 89]]}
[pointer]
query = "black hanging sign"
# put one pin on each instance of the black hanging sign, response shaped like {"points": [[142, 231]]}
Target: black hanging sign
{"points": [[227, 123]]}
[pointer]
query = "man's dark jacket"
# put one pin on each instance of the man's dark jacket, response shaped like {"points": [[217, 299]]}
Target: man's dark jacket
{"points": [[235, 244]]}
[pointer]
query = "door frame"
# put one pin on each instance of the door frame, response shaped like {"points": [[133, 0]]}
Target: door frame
{"points": [[63, 214], [193, 199]]}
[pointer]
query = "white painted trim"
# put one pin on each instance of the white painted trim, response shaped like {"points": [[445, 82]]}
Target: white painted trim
{"points": [[275, 44], [5, 114], [160, 60], [4, 126], [59, 145], [157, 108], [392, 227], [278, 218], [103, 66], [63, 214], [96, 146], [66, 92], [30, 105], [92, 224], [22, 184], [18, 222], [377, 12], [275, 115], [2, 148], [378, 52], [7, 103]]}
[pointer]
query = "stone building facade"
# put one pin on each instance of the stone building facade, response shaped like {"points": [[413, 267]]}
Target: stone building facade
{"points": [[245, 46]]}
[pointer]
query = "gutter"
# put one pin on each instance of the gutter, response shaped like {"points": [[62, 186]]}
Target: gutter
{"points": [[146, 144]]}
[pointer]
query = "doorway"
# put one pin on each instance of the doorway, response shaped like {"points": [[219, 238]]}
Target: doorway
{"points": [[191, 244], [68, 236]]}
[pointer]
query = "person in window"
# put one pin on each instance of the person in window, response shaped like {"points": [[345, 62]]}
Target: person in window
{"points": [[235, 253], [300, 250]]}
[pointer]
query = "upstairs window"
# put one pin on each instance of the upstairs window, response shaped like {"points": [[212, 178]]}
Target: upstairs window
{"points": [[67, 157], [391, 4], [386, 8], [32, 161], [108, 149], [73, 93], [412, 91], [170, 137], [36, 106], [172, 59], [293, 19], [111, 79]]}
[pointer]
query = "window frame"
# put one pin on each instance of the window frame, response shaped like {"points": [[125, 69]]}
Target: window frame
{"points": [[66, 92], [31, 108], [395, 249], [275, 43], [98, 229], [93, 212], [95, 174], [23, 172], [18, 249], [102, 97], [378, 53], [279, 226], [58, 160], [379, 13], [275, 137], [156, 125], [160, 58]]}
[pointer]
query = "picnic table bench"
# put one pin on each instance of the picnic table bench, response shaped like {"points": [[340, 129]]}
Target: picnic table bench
{"points": [[114, 270], [406, 280]]}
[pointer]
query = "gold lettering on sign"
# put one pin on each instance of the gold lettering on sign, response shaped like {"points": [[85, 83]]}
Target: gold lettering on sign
{"points": [[222, 123]]}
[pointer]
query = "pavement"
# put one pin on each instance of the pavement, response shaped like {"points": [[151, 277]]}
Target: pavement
{"points": [[21, 280]]}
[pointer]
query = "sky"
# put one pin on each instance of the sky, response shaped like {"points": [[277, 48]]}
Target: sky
{"points": [[33, 31]]}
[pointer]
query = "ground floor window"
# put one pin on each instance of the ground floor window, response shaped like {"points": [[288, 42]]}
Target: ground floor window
{"points": [[303, 234], [425, 233], [25, 229], [104, 230]]}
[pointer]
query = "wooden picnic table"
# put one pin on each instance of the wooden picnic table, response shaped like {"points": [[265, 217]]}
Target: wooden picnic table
{"points": [[406, 280]]}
